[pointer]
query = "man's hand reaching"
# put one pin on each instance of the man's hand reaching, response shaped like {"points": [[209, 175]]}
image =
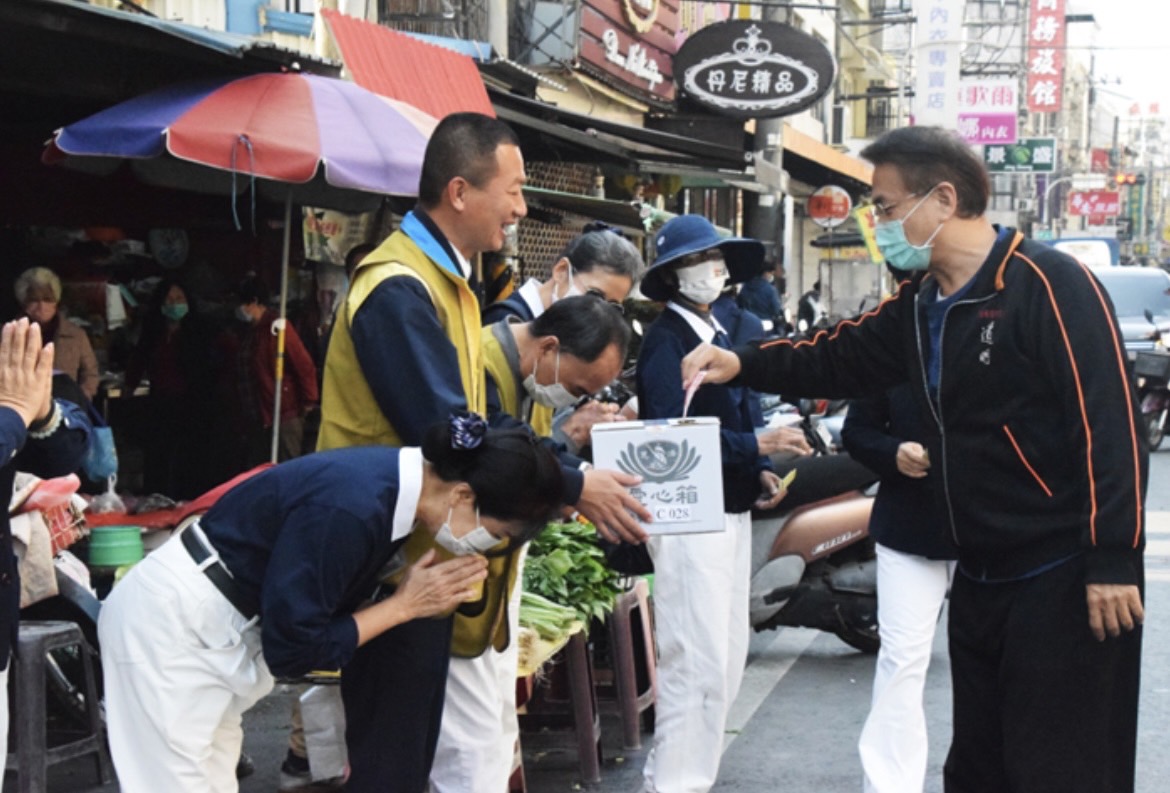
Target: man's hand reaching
{"points": [[607, 503]]}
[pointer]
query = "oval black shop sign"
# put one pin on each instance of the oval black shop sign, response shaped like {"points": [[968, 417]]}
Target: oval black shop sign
{"points": [[753, 69]]}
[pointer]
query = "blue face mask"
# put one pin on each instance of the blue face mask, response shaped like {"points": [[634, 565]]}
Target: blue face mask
{"points": [[897, 250], [174, 311]]}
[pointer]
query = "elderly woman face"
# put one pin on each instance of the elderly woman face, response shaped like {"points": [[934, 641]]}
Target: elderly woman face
{"points": [[40, 303]]}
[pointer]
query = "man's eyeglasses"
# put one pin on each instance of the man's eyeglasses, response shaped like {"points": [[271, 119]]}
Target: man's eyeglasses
{"points": [[883, 211]]}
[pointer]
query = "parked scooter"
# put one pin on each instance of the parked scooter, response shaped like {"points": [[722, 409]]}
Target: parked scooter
{"points": [[1153, 372], [813, 562]]}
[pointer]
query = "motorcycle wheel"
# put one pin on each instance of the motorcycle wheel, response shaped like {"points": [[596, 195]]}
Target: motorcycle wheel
{"points": [[858, 627], [1154, 430], [861, 638]]}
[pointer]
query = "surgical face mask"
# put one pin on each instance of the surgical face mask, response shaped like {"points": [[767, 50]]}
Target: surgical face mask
{"points": [[570, 291], [703, 282], [174, 311], [554, 396], [478, 540], [242, 314], [897, 250]]}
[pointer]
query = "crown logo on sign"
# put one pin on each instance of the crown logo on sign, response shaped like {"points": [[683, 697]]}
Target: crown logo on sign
{"points": [[752, 49]]}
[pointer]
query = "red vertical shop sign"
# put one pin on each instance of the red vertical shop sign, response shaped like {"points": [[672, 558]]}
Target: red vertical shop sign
{"points": [[1046, 39]]}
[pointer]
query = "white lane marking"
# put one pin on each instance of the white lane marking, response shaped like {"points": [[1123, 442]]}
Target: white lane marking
{"points": [[1158, 546], [763, 675]]}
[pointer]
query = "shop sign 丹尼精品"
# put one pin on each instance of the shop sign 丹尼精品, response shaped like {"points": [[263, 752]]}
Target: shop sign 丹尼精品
{"points": [[1030, 155], [754, 69]]}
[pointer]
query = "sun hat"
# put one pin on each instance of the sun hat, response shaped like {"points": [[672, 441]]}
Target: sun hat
{"points": [[687, 234]]}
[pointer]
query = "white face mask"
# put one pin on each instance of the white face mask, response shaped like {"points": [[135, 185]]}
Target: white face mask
{"points": [[242, 314], [702, 282], [478, 540], [570, 291], [554, 396]]}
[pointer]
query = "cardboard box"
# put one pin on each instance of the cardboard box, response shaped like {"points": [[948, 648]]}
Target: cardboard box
{"points": [[680, 463]]}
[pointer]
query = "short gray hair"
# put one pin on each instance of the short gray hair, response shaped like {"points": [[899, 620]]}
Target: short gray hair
{"points": [[37, 276], [604, 248]]}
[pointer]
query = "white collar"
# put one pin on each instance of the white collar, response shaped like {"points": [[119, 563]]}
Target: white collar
{"points": [[410, 478], [530, 293], [706, 332], [464, 264]]}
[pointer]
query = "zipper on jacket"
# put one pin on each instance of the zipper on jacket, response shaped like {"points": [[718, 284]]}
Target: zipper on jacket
{"points": [[936, 410]]}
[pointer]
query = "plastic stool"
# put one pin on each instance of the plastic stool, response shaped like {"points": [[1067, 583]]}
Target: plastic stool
{"points": [[33, 756], [572, 674], [635, 669]]}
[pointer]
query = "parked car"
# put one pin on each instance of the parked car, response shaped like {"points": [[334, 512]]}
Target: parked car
{"points": [[1134, 290]]}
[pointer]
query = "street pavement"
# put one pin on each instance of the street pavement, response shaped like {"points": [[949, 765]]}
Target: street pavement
{"points": [[796, 721]]}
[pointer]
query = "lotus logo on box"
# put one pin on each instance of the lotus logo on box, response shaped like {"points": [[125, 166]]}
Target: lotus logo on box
{"points": [[659, 461]]}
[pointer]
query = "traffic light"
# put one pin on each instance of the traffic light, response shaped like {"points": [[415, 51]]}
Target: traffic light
{"points": [[1124, 179]]}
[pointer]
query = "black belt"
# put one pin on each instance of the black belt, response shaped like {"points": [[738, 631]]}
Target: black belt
{"points": [[220, 578]]}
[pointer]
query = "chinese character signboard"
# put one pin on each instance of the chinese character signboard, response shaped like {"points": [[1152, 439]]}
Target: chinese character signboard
{"points": [[829, 206], [936, 86], [753, 69], [1094, 202], [1045, 55], [1030, 155], [1100, 161], [629, 44], [679, 463], [988, 111]]}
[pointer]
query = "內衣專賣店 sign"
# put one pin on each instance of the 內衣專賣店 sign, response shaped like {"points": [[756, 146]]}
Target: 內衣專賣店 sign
{"points": [[754, 69]]}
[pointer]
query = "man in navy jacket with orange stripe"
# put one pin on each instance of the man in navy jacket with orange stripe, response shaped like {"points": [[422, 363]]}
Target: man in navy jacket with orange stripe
{"points": [[1015, 361]]}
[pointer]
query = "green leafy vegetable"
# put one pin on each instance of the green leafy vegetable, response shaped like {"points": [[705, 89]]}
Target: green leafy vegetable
{"points": [[565, 565]]}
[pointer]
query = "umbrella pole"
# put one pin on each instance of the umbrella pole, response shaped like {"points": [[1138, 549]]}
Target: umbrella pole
{"points": [[279, 379]]}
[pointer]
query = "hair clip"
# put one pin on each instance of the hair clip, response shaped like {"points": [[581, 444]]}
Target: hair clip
{"points": [[467, 430]]}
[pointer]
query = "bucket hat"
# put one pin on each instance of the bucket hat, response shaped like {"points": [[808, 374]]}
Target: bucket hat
{"points": [[687, 234]]}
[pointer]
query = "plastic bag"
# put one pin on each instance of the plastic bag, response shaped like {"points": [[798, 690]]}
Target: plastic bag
{"points": [[108, 501], [324, 719], [101, 459]]}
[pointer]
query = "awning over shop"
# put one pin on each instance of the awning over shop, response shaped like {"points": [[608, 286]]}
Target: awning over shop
{"points": [[617, 213], [551, 133], [433, 78], [816, 164]]}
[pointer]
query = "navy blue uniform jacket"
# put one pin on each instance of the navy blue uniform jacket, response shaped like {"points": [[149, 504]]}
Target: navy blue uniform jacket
{"points": [[661, 397], [904, 516], [306, 541]]}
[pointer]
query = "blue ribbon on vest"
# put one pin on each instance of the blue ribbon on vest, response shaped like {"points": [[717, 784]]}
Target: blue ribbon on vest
{"points": [[421, 236]]}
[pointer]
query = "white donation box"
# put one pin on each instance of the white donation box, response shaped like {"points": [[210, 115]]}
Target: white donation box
{"points": [[679, 461]]}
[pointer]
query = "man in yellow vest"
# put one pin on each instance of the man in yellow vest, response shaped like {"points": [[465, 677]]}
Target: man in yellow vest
{"points": [[573, 349], [406, 352]]}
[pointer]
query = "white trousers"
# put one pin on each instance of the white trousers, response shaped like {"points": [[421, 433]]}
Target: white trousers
{"points": [[477, 737], [701, 625], [181, 666], [911, 590]]}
